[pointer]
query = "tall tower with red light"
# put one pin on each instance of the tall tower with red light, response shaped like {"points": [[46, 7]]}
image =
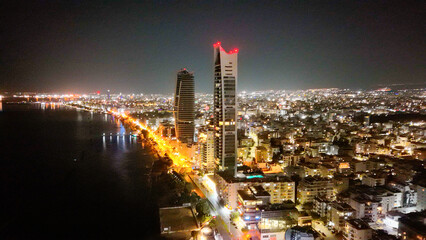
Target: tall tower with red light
{"points": [[225, 108]]}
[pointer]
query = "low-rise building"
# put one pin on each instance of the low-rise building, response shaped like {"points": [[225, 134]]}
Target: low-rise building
{"points": [[310, 187], [365, 208], [300, 233], [373, 180], [421, 198], [357, 229], [340, 184], [248, 207], [321, 206], [276, 219], [280, 188], [412, 226], [339, 214]]}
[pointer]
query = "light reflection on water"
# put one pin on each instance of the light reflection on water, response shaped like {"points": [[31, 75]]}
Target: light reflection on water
{"points": [[117, 143], [92, 131], [109, 176], [97, 127]]}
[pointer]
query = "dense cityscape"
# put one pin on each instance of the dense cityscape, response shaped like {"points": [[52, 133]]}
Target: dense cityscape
{"points": [[213, 120], [307, 164]]}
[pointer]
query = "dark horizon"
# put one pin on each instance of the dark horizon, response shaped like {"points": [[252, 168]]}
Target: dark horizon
{"points": [[393, 87], [72, 46]]}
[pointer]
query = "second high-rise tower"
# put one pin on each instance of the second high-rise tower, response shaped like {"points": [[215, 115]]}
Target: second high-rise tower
{"points": [[184, 106]]}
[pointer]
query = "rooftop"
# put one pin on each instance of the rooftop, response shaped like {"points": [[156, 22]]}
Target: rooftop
{"points": [[342, 207], [279, 207], [264, 178], [358, 224], [259, 191], [311, 179], [415, 221], [177, 219], [246, 195]]}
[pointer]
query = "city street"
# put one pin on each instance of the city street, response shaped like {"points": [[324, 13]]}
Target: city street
{"points": [[319, 227], [223, 214]]}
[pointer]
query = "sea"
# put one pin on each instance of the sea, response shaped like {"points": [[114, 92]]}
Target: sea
{"points": [[67, 173]]}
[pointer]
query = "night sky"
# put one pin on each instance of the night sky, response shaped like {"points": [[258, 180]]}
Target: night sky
{"points": [[133, 47]]}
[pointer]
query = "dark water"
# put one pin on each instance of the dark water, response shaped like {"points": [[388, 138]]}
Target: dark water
{"points": [[46, 194]]}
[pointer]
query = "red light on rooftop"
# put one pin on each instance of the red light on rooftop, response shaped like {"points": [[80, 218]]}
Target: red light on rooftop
{"points": [[216, 44], [233, 51]]}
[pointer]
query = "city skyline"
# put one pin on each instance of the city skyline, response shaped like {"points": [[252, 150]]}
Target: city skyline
{"points": [[69, 47], [120, 122], [303, 163]]}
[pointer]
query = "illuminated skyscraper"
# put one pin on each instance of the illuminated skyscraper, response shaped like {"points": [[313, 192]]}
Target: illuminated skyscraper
{"points": [[184, 106], [225, 108], [206, 143]]}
